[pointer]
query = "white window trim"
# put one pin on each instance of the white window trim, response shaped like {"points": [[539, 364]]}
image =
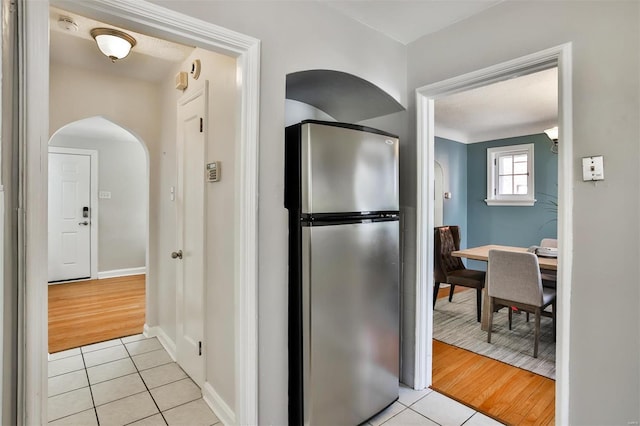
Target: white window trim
{"points": [[494, 199]]}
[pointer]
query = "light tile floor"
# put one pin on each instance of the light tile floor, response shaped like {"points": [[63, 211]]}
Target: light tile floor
{"points": [[429, 408], [125, 381], [133, 381]]}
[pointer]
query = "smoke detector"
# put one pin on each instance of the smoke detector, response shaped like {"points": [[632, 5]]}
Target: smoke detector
{"points": [[67, 23]]}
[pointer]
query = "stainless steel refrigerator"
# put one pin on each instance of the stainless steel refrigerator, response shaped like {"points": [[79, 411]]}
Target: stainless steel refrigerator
{"points": [[341, 190]]}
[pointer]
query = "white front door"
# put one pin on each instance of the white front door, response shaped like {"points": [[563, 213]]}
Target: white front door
{"points": [[69, 216], [191, 152]]}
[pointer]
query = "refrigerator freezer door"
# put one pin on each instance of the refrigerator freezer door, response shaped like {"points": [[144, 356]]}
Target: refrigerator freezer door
{"points": [[351, 318], [347, 170]]}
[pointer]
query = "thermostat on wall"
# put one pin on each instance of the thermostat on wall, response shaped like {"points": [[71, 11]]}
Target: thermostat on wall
{"points": [[213, 172]]}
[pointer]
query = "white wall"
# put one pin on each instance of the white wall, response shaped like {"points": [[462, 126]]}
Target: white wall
{"points": [[604, 372], [295, 36], [122, 219], [220, 71]]}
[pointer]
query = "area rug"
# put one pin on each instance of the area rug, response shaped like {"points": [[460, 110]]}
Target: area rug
{"points": [[455, 323]]}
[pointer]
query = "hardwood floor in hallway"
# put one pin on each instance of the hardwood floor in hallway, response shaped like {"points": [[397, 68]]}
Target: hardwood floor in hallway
{"points": [[509, 394], [86, 312]]}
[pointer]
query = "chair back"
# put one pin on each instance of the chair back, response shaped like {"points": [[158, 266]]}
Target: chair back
{"points": [[514, 276], [549, 242], [446, 240]]}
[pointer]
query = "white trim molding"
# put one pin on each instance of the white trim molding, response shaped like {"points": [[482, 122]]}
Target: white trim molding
{"points": [[559, 56], [167, 343], [122, 272], [156, 21], [220, 408]]}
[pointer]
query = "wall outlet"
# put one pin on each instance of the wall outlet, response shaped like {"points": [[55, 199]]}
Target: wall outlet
{"points": [[105, 195]]}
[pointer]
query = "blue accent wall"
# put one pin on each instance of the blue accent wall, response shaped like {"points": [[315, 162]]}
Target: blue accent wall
{"points": [[452, 156], [512, 225], [465, 175]]}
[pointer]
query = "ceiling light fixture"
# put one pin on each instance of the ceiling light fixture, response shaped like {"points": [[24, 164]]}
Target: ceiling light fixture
{"points": [[552, 133], [113, 43]]}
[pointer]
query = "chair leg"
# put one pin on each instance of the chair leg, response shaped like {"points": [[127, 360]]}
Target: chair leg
{"points": [[510, 315], [479, 302], [490, 325], [537, 333], [451, 289], [527, 316], [436, 289]]}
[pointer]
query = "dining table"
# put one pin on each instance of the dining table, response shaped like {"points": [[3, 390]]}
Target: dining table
{"points": [[481, 253]]}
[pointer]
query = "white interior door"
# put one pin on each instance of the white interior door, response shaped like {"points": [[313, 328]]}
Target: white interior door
{"points": [[191, 152], [69, 216]]}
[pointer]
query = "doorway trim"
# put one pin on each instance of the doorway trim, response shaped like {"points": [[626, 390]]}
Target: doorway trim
{"points": [[93, 155], [560, 56], [157, 21]]}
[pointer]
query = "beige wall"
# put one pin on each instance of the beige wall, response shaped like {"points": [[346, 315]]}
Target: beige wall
{"points": [[76, 94], [604, 372]]}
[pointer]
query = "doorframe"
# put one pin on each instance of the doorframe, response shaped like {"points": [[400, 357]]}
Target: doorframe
{"points": [[560, 56], [93, 155], [33, 52]]}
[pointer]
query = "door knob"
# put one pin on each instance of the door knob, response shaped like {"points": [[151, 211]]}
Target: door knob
{"points": [[176, 254], [85, 223]]}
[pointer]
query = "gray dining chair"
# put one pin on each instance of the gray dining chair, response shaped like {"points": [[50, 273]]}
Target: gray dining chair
{"points": [[513, 280]]}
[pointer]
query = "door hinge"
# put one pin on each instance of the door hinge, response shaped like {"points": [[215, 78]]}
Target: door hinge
{"points": [[201, 124], [199, 348]]}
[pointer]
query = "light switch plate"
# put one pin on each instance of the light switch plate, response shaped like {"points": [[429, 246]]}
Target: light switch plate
{"points": [[593, 168]]}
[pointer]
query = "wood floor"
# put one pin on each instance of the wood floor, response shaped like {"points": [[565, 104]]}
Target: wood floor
{"points": [[506, 393], [85, 312]]}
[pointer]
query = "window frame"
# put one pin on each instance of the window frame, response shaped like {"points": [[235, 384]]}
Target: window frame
{"points": [[495, 199]]}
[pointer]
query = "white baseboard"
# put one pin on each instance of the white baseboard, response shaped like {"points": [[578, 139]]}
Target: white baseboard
{"points": [[217, 405], [122, 272], [168, 344]]}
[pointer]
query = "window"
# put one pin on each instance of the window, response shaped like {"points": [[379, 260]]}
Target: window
{"points": [[510, 176]]}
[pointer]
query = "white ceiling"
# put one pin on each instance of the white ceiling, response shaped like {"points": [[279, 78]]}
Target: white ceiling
{"points": [[516, 107], [408, 20], [151, 59]]}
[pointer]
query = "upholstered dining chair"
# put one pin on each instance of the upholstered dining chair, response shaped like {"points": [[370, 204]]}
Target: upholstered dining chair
{"points": [[513, 280], [450, 270]]}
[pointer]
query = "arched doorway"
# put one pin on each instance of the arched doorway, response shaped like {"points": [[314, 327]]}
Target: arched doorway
{"points": [[98, 225]]}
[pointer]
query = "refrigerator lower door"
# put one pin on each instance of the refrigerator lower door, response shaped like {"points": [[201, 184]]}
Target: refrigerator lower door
{"points": [[350, 314]]}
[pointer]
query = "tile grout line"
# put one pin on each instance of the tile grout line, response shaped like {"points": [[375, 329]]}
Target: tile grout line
{"points": [[86, 372], [144, 383]]}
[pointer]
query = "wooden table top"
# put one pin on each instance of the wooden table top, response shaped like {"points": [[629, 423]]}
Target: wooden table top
{"points": [[482, 253]]}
